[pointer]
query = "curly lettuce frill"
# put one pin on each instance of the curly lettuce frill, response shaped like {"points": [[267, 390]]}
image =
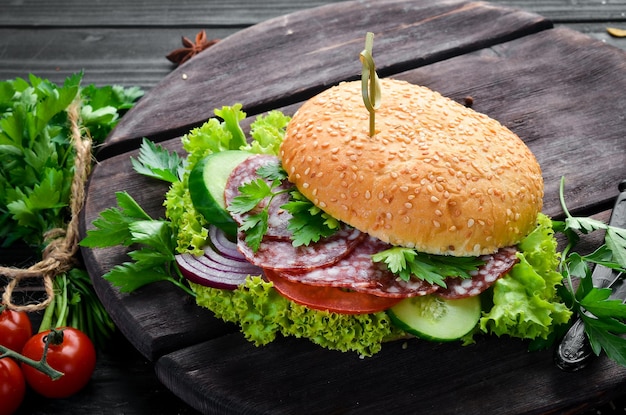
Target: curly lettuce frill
{"points": [[263, 313], [525, 301]]}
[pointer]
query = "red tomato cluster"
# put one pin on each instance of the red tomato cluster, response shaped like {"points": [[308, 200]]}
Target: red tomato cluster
{"points": [[71, 353]]}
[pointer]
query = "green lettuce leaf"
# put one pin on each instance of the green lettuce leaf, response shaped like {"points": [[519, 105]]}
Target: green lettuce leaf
{"points": [[526, 304], [263, 314]]}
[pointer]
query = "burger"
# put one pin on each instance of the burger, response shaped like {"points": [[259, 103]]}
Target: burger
{"points": [[436, 176], [429, 226]]}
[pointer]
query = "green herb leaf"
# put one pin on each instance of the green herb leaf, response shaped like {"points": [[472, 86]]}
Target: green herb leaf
{"points": [[255, 227], [159, 163], [112, 227], [601, 338], [308, 222], [407, 263], [251, 194], [130, 276]]}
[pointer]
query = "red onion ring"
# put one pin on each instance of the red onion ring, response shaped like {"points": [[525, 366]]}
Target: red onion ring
{"points": [[222, 265], [223, 245]]}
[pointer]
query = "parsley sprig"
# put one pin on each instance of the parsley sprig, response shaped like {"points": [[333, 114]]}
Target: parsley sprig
{"points": [[407, 263], [308, 222], [252, 194], [158, 163], [604, 317], [129, 225]]}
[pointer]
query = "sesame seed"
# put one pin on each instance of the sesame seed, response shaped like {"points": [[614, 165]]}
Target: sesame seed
{"points": [[322, 204], [470, 223], [408, 205], [434, 199], [305, 185], [436, 224]]}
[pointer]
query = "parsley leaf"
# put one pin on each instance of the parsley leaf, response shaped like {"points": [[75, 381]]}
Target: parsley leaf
{"points": [[159, 163], [130, 276], [308, 222], [407, 262]]}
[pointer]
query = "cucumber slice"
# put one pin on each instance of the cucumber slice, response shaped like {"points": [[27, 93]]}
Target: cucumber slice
{"points": [[435, 318], [207, 181]]}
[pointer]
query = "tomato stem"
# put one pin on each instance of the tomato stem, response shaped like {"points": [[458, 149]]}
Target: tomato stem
{"points": [[41, 365]]}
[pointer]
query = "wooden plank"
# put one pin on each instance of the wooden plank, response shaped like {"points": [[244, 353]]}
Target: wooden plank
{"points": [[293, 376], [118, 13], [127, 57], [240, 13], [318, 57]]}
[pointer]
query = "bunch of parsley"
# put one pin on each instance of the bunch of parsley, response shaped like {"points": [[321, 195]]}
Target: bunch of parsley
{"points": [[604, 317], [37, 167]]}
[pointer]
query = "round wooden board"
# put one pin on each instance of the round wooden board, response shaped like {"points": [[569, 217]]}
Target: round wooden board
{"points": [[560, 91]]}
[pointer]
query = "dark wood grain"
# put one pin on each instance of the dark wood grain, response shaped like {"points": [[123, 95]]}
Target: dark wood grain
{"points": [[125, 43], [320, 47], [559, 90], [289, 376], [150, 13]]}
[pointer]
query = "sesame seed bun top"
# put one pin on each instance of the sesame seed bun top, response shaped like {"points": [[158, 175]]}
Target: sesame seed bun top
{"points": [[436, 176]]}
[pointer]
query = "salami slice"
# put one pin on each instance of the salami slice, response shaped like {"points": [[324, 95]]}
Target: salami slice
{"points": [[359, 273], [281, 255], [247, 172], [496, 265]]}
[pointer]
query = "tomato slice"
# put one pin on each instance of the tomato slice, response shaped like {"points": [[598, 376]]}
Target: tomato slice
{"points": [[333, 299]]}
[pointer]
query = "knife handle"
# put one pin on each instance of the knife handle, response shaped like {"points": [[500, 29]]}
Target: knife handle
{"points": [[573, 351]]}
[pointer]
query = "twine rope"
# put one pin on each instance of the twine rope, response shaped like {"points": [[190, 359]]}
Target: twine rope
{"points": [[61, 244]]}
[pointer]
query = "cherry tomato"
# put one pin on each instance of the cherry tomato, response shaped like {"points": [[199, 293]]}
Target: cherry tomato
{"points": [[12, 386], [330, 298], [75, 356], [15, 329]]}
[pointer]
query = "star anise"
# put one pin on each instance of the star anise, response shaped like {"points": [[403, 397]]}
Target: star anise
{"points": [[190, 49]]}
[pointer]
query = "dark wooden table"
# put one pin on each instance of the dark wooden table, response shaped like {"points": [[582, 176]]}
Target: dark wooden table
{"points": [[124, 42]]}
